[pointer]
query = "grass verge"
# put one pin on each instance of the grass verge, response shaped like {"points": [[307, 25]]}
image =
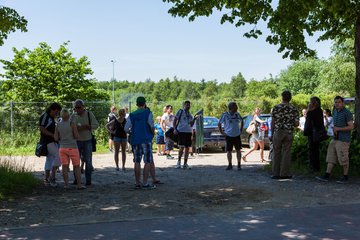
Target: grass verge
{"points": [[15, 179]]}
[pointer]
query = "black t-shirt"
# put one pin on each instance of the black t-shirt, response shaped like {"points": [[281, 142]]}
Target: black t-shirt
{"points": [[119, 129], [48, 123]]}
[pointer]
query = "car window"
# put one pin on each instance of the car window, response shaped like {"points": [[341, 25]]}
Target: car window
{"points": [[211, 122]]}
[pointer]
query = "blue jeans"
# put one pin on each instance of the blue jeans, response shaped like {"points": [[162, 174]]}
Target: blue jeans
{"points": [[85, 150]]}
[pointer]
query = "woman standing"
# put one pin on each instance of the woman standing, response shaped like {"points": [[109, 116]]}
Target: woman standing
{"points": [[66, 133], [116, 127], [314, 120], [258, 137]]}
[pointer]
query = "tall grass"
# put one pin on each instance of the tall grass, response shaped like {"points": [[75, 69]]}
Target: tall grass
{"points": [[15, 178]]}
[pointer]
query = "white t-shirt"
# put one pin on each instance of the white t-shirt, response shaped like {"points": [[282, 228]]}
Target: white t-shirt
{"points": [[330, 126], [231, 123], [184, 121], [302, 123], [168, 120]]}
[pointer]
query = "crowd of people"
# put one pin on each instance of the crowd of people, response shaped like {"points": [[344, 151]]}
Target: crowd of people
{"points": [[71, 138]]}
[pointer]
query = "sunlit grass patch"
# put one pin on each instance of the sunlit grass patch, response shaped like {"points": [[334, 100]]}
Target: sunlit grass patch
{"points": [[15, 178]]}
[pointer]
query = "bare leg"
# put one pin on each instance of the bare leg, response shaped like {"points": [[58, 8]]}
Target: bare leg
{"points": [[261, 144], [229, 157], [116, 154], [78, 176], [123, 154], [146, 173], [186, 155], [65, 172], [181, 151], [251, 150], [137, 170]]}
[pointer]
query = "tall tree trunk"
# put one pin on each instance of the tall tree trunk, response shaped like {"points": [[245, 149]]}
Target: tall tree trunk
{"points": [[357, 77]]}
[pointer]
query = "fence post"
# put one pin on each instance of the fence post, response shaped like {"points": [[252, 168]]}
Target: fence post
{"points": [[12, 118]]}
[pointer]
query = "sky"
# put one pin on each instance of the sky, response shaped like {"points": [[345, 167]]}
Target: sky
{"points": [[145, 41]]}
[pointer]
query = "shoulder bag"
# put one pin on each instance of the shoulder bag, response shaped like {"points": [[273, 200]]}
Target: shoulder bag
{"points": [[93, 139]]}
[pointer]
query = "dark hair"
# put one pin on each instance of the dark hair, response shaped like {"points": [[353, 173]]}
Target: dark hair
{"points": [[339, 97], [328, 111], [187, 102], [168, 106], [231, 105], [54, 106], [286, 95], [316, 100]]}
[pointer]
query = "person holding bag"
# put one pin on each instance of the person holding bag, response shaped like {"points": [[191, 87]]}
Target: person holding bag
{"points": [[86, 123], [314, 122]]}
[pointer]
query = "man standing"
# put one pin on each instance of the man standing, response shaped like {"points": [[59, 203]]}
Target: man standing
{"points": [[338, 149], [142, 132], [86, 123], [284, 118], [232, 130], [183, 123]]}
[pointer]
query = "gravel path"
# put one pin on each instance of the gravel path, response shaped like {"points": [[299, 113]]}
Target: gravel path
{"points": [[205, 189]]}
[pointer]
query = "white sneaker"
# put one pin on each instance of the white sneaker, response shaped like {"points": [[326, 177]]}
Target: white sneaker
{"points": [[178, 165], [186, 166]]}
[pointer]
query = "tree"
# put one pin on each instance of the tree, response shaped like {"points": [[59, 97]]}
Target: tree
{"points": [[301, 76], [237, 86], [258, 89], [43, 75], [289, 22], [10, 21]]}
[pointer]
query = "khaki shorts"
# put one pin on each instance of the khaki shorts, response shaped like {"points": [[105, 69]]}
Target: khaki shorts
{"points": [[338, 152]]}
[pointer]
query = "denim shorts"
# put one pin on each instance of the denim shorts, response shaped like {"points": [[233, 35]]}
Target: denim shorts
{"points": [[143, 150], [160, 139], [117, 139]]}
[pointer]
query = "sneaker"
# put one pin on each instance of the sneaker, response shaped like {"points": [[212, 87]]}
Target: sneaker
{"points": [[46, 182], [168, 156], [230, 167], [117, 169], [178, 165], [186, 166], [53, 183], [110, 149], [343, 180], [148, 187], [322, 178]]}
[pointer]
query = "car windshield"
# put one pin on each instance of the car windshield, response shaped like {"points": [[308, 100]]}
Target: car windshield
{"points": [[210, 122]]}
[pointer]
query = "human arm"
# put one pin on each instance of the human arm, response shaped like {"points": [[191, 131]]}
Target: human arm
{"points": [[74, 130], [46, 132], [56, 134], [110, 126]]}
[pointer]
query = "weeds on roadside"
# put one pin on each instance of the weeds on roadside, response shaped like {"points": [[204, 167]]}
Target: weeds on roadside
{"points": [[15, 178]]}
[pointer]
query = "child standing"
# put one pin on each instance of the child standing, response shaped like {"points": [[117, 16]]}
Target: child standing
{"points": [[160, 138]]}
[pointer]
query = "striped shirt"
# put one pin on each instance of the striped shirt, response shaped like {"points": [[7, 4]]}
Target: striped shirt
{"points": [[341, 118]]}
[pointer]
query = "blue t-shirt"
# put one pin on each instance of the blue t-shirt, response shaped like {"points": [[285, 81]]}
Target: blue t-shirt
{"points": [[341, 118], [160, 132]]}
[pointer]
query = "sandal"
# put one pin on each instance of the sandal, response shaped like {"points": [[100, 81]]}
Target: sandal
{"points": [[244, 159]]}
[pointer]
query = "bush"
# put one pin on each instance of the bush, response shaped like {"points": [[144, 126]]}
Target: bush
{"points": [[299, 156]]}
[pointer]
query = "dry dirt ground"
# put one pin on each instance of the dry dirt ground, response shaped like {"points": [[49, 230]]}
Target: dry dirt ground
{"points": [[205, 189]]}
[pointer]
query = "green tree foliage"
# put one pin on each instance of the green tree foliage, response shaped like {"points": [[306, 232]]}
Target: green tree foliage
{"points": [[10, 21], [237, 86], [301, 76], [289, 22], [338, 74], [43, 75], [256, 89]]}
